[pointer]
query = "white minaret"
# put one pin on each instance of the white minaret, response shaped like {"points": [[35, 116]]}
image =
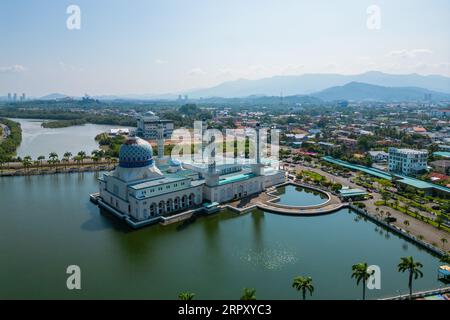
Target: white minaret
{"points": [[203, 132], [212, 176], [160, 140], [257, 168]]}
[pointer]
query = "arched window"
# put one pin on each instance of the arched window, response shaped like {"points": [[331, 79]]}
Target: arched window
{"points": [[169, 206], [184, 201], [153, 208], [176, 204], [191, 199], [161, 207]]}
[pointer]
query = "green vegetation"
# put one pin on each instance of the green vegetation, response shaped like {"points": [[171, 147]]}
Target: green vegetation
{"points": [[111, 145], [361, 273], [67, 117], [248, 294], [63, 123], [407, 264], [303, 284], [186, 296], [9, 145]]}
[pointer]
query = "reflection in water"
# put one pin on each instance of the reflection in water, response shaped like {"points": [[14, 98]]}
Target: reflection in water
{"points": [[297, 196], [274, 258]]}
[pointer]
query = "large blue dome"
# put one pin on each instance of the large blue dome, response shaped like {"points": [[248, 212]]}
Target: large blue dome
{"points": [[135, 153]]}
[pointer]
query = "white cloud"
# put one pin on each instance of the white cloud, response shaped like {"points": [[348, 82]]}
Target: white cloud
{"points": [[196, 72], [13, 69], [405, 53]]}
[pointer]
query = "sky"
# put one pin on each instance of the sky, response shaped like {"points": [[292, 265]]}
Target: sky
{"points": [[172, 46]]}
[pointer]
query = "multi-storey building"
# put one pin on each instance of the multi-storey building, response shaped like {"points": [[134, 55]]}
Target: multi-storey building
{"points": [[407, 161]]}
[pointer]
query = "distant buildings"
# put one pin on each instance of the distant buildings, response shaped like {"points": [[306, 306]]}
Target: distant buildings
{"points": [[407, 161], [378, 156], [13, 97], [147, 126], [441, 166]]}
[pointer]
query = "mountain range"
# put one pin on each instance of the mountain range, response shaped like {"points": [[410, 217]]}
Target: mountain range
{"points": [[310, 88], [311, 83]]}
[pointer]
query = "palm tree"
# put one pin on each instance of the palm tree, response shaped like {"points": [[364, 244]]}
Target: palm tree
{"points": [[303, 284], [96, 159], [444, 241], [82, 156], [361, 273], [40, 159], [408, 264], [66, 158], [186, 296], [53, 156], [26, 162], [249, 294], [406, 223]]}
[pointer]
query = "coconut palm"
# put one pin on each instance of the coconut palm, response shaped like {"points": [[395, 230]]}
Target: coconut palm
{"points": [[66, 158], [406, 223], [82, 156], [303, 284], [361, 273], [53, 156], [186, 296], [407, 264], [95, 159], [40, 159], [249, 294], [26, 162]]}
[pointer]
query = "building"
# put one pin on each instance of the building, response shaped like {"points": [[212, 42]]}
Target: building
{"points": [[144, 190], [23, 97], [15, 97], [441, 166], [147, 126], [379, 156], [407, 161], [9, 96]]}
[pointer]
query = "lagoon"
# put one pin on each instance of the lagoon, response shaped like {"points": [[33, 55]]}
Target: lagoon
{"points": [[47, 223], [37, 140]]}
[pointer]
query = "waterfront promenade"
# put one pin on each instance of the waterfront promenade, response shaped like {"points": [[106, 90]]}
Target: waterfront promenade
{"points": [[46, 167]]}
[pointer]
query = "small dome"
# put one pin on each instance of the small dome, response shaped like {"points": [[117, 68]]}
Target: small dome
{"points": [[135, 153]]}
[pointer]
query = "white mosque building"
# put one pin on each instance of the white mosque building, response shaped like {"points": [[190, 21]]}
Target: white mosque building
{"points": [[143, 190]]}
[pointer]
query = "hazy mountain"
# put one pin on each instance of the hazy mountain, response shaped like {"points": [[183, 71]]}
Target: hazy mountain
{"points": [[309, 83], [357, 91], [54, 96]]}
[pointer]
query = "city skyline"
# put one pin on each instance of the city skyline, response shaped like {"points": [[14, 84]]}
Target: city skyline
{"points": [[155, 47]]}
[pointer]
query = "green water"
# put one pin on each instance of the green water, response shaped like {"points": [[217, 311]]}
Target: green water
{"points": [[297, 196], [48, 223]]}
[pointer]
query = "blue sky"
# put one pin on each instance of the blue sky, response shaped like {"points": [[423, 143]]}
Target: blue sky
{"points": [[153, 47]]}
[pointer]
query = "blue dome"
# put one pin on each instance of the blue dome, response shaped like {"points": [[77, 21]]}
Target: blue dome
{"points": [[135, 153]]}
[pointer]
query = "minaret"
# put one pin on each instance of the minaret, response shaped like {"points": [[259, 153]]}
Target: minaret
{"points": [[203, 131], [212, 177], [257, 168], [160, 140]]}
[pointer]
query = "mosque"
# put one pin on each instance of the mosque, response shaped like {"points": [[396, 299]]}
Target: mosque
{"points": [[143, 190]]}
